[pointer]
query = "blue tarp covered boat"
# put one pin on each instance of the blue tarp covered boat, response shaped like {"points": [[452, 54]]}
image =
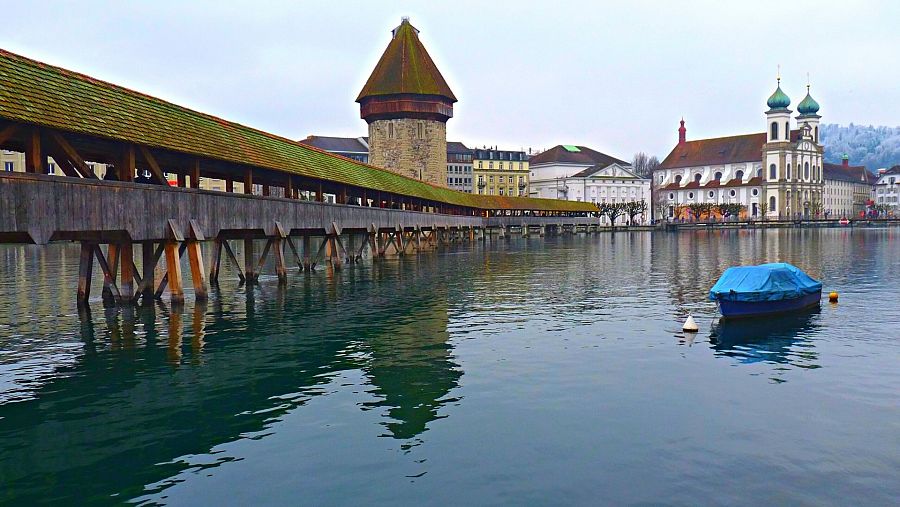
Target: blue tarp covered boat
{"points": [[746, 291]]}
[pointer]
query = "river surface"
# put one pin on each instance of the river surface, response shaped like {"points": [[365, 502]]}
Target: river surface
{"points": [[529, 372]]}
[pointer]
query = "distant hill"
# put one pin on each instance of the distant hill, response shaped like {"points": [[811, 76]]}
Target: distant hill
{"points": [[873, 147]]}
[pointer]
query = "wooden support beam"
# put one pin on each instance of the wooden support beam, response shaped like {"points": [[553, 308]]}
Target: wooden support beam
{"points": [[248, 181], [126, 262], [195, 256], [149, 260], [34, 155], [127, 164], [69, 153], [109, 274], [67, 167], [399, 237], [280, 268], [216, 262], [233, 258], [182, 180], [229, 185], [320, 196], [7, 133], [293, 247], [173, 272], [289, 188], [265, 190], [165, 279], [195, 174], [85, 270], [307, 246], [155, 171], [249, 267], [262, 259]]}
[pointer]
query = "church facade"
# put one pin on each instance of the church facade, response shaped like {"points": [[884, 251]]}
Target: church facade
{"points": [[776, 173]]}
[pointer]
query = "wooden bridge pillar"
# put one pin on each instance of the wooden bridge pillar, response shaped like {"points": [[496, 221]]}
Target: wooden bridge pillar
{"points": [[307, 247], [148, 263], [250, 274], [126, 261], [195, 255], [173, 272], [85, 269]]}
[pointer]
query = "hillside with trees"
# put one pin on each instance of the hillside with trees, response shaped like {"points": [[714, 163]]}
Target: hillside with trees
{"points": [[873, 147]]}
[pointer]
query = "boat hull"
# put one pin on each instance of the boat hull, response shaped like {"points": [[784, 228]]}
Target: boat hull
{"points": [[737, 309]]}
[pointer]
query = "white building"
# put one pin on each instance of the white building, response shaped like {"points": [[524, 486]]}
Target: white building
{"points": [[578, 173], [778, 171], [848, 189], [887, 189]]}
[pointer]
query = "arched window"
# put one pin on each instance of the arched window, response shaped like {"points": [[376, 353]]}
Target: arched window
{"points": [[806, 170], [788, 171], [678, 180], [772, 203], [739, 175], [773, 172], [774, 131], [698, 177], [787, 131], [718, 176], [817, 134]]}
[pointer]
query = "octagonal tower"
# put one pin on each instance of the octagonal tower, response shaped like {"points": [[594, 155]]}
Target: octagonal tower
{"points": [[407, 103]]}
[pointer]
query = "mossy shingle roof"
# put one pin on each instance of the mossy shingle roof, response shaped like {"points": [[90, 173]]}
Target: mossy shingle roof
{"points": [[406, 68], [37, 93]]}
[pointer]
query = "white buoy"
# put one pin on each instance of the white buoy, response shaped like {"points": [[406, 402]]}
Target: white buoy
{"points": [[689, 325]]}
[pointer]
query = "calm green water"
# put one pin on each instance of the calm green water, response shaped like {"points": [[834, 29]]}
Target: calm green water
{"points": [[529, 372]]}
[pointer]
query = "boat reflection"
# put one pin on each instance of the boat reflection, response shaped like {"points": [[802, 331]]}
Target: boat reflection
{"points": [[780, 339]]}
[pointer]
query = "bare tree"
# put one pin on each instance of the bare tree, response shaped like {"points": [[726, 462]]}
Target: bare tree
{"points": [[644, 164]]}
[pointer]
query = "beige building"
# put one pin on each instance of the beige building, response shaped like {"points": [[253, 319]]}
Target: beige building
{"points": [[500, 172]]}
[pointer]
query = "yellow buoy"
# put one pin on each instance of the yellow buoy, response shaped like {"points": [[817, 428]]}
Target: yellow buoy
{"points": [[833, 297]]}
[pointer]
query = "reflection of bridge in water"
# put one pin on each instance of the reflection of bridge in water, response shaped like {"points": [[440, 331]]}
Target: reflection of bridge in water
{"points": [[157, 383]]}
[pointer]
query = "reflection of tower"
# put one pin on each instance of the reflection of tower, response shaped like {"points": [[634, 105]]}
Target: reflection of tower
{"points": [[412, 369], [407, 103]]}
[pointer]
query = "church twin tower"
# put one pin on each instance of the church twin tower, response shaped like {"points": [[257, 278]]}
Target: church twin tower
{"points": [[407, 103]]}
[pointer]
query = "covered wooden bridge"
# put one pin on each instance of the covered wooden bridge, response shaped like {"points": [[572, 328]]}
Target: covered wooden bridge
{"points": [[275, 189]]}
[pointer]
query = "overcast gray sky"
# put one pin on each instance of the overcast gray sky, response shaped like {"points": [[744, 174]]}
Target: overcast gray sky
{"points": [[615, 76]]}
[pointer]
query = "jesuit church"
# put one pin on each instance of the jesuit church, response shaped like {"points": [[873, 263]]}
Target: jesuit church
{"points": [[777, 172]]}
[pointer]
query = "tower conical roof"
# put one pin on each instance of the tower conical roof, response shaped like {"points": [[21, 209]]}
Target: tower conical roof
{"points": [[406, 68]]}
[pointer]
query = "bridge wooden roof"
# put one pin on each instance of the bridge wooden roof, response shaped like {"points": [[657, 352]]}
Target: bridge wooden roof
{"points": [[37, 93]]}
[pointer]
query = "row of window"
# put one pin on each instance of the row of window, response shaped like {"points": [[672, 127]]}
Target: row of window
{"points": [[816, 172], [499, 179], [502, 165], [459, 169], [502, 191], [459, 181], [711, 194]]}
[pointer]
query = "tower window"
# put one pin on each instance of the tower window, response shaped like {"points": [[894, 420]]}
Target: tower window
{"points": [[390, 130], [787, 131], [772, 203], [788, 171], [774, 131], [421, 130], [806, 170], [773, 172]]}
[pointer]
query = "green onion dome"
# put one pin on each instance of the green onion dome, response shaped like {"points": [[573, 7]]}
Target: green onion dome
{"points": [[778, 100], [808, 105]]}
